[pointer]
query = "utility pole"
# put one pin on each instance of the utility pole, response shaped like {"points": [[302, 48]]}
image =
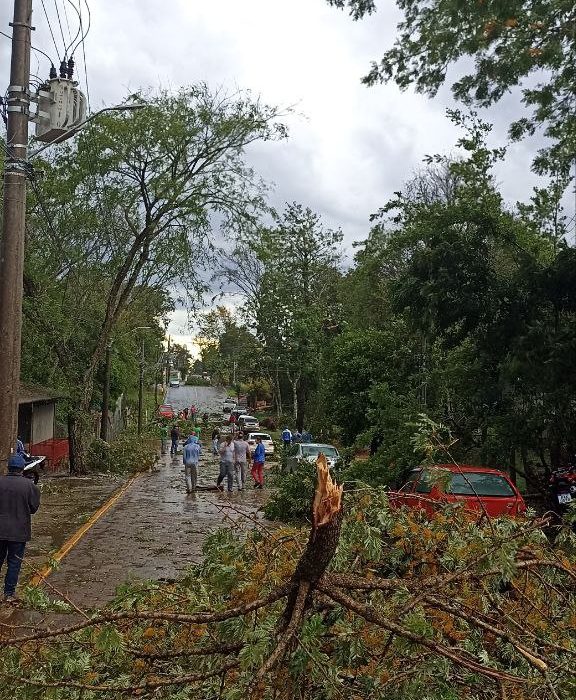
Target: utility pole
{"points": [[13, 226], [106, 393]]}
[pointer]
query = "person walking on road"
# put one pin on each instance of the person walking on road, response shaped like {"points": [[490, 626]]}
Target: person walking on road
{"points": [[258, 464], [286, 438], [215, 442], [241, 457], [174, 436], [19, 500], [226, 463], [191, 457]]}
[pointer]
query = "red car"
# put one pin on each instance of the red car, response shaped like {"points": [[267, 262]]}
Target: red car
{"points": [[473, 486], [166, 410]]}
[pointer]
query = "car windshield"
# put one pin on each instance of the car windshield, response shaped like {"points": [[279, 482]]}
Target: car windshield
{"points": [[262, 436], [314, 450], [166, 407], [480, 484]]}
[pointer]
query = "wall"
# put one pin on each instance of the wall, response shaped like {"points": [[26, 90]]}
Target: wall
{"points": [[42, 422]]}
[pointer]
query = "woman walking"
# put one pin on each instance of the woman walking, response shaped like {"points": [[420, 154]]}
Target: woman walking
{"points": [[258, 465]]}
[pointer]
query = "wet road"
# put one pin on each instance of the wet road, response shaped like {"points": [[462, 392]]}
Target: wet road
{"points": [[155, 530]]}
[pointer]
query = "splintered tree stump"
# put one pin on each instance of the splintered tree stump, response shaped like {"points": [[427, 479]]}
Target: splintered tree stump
{"points": [[324, 536], [320, 549]]}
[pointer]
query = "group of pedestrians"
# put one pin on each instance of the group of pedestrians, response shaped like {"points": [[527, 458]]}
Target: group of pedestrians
{"points": [[235, 455], [290, 438]]}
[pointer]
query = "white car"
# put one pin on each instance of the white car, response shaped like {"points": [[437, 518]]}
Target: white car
{"points": [[310, 451], [246, 422], [266, 441]]}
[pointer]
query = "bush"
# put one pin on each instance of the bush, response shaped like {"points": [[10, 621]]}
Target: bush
{"points": [[128, 453], [291, 501], [269, 423]]}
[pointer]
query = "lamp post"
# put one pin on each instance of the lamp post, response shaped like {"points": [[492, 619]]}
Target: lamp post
{"points": [[141, 379]]}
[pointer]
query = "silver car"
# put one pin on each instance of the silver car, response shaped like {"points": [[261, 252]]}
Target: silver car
{"points": [[309, 451]]}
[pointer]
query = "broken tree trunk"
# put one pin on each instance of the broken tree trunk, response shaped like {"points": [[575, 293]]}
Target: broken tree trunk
{"points": [[320, 549]]}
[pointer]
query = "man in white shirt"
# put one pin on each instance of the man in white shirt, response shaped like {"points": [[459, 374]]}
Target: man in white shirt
{"points": [[241, 458], [226, 463]]}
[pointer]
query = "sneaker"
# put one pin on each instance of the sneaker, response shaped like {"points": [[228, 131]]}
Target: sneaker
{"points": [[10, 599]]}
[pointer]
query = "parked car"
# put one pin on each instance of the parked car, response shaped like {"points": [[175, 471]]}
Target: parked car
{"points": [[246, 422], [266, 441], [309, 452], [166, 410], [478, 488]]}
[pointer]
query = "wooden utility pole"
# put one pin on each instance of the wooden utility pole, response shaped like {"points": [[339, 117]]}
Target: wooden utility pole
{"points": [[13, 225]]}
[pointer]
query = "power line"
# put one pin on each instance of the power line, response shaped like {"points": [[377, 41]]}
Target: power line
{"points": [[61, 29], [50, 28], [83, 42], [72, 41], [33, 48]]}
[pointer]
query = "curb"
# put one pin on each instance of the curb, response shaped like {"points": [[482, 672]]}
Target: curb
{"points": [[73, 540]]}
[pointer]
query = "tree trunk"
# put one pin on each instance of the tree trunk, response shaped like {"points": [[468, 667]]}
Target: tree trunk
{"points": [[301, 404], [319, 552], [74, 442]]}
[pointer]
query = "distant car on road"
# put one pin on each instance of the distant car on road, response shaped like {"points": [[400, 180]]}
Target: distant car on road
{"points": [[309, 452], [477, 488], [166, 410], [266, 441], [246, 422]]}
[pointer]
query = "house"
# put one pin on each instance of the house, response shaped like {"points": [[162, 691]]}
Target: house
{"points": [[36, 425]]}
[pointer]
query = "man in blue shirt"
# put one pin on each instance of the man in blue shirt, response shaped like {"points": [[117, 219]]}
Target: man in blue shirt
{"points": [[190, 457], [258, 465]]}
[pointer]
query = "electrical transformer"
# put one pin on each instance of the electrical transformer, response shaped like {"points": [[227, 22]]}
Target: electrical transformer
{"points": [[61, 108]]}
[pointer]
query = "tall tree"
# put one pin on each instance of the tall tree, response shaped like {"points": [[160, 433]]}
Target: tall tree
{"points": [[515, 43], [134, 196]]}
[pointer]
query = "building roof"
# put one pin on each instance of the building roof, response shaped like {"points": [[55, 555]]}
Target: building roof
{"points": [[33, 393]]}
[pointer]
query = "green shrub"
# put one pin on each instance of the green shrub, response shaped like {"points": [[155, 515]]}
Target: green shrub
{"points": [[127, 453], [291, 500]]}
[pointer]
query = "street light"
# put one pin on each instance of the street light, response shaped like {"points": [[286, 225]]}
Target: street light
{"points": [[141, 378], [74, 129]]}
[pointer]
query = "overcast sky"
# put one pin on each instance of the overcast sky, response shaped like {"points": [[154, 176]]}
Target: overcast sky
{"points": [[351, 147]]}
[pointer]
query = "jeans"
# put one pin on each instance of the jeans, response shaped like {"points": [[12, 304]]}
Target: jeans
{"points": [[191, 472], [215, 447], [240, 474], [174, 446], [15, 553], [226, 470]]}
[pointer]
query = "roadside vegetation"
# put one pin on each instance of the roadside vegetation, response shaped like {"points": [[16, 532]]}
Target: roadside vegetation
{"points": [[368, 602]]}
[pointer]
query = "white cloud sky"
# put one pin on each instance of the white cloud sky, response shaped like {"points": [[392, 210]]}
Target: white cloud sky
{"points": [[352, 147]]}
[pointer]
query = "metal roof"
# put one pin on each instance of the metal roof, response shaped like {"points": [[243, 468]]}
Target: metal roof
{"points": [[33, 393]]}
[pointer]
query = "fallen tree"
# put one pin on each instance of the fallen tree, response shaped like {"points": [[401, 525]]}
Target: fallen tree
{"points": [[375, 603]]}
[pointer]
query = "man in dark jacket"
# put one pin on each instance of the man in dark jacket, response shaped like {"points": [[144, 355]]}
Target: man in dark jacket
{"points": [[19, 499]]}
